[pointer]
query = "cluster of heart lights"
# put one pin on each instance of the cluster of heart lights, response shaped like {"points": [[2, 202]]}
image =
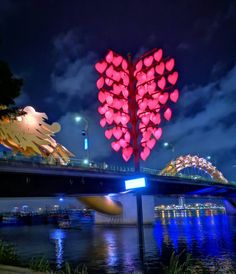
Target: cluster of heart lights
{"points": [[152, 78]]}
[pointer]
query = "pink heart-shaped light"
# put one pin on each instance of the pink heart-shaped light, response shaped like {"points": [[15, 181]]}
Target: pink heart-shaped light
{"points": [[116, 76], [125, 92], [148, 61], [109, 56], [158, 55], [145, 119], [151, 143], [110, 120], [124, 64], [123, 143], [146, 136], [155, 95], [152, 104], [100, 82], [162, 83], [151, 87], [141, 125], [109, 99], [124, 119], [127, 137], [108, 82], [160, 68], [101, 66], [156, 119], [174, 96], [163, 98], [125, 106], [126, 153], [141, 77], [109, 114], [143, 106], [141, 90], [115, 146], [116, 89], [108, 134], [139, 112], [110, 71], [102, 110], [150, 74], [125, 79], [124, 129], [117, 132], [101, 97], [103, 122], [170, 64], [117, 60], [117, 104], [138, 97], [145, 153], [168, 114], [139, 66], [117, 117], [157, 133], [172, 78]]}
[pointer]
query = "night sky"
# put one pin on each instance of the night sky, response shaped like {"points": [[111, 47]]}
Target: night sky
{"points": [[53, 46]]}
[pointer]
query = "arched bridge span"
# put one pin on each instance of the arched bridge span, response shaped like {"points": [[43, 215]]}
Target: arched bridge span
{"points": [[182, 162]]}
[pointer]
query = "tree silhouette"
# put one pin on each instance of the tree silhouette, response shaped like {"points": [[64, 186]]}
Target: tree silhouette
{"points": [[10, 86]]}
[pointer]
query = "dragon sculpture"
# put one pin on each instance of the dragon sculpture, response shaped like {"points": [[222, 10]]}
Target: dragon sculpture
{"points": [[26, 131]]}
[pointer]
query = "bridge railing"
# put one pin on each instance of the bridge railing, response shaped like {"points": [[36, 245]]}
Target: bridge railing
{"points": [[76, 163]]}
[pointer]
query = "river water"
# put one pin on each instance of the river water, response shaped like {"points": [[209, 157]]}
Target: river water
{"points": [[210, 239]]}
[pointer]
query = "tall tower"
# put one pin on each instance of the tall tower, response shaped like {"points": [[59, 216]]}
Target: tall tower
{"points": [[182, 202]]}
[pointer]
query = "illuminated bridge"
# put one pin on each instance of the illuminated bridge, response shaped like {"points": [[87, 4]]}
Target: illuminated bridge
{"points": [[24, 178]]}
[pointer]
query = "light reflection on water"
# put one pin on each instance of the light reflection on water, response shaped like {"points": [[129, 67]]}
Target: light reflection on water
{"points": [[58, 235], [103, 249]]}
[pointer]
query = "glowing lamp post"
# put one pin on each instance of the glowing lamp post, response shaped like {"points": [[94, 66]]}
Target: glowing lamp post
{"points": [[134, 99], [171, 147], [78, 119]]}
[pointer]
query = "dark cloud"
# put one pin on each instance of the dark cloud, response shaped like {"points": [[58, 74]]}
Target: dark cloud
{"points": [[73, 75], [184, 46], [7, 8]]}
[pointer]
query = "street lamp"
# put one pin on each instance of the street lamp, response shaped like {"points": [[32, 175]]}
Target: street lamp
{"points": [[211, 159], [78, 119]]}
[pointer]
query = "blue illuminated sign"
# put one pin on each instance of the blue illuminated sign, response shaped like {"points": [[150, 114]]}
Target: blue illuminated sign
{"points": [[85, 143], [135, 183]]}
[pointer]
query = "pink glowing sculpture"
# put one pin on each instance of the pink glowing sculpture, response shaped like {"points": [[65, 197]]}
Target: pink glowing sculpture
{"points": [[134, 100]]}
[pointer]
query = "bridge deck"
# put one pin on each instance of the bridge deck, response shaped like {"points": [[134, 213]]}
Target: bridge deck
{"points": [[41, 181]]}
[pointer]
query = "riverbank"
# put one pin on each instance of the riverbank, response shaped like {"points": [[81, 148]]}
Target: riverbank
{"points": [[8, 269]]}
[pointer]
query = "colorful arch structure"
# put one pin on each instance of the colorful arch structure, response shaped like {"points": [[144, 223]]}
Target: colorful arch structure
{"points": [[193, 161]]}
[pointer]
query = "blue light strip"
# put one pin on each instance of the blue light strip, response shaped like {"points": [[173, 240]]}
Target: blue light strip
{"points": [[85, 143]]}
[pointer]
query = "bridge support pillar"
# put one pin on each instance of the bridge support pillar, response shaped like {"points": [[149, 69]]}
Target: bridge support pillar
{"points": [[129, 216], [230, 206]]}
